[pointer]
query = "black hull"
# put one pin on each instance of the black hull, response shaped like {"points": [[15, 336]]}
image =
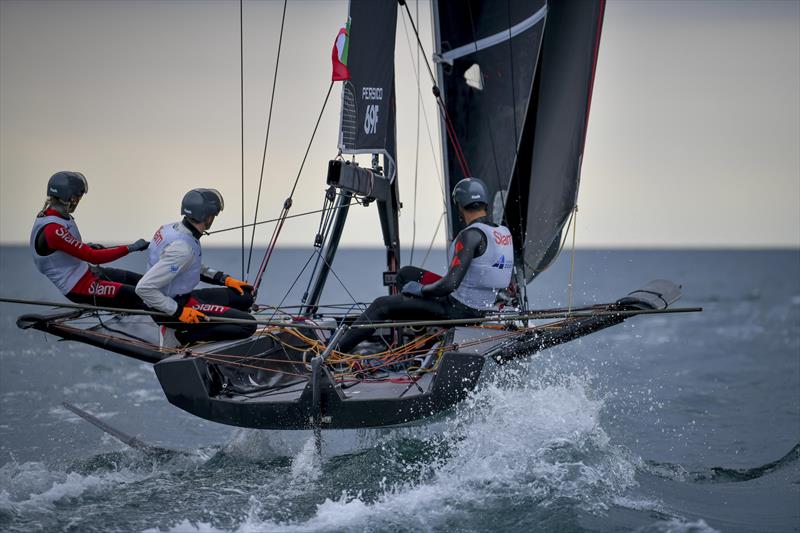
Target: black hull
{"points": [[281, 393], [188, 385]]}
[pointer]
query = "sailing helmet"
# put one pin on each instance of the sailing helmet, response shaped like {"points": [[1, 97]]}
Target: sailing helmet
{"points": [[66, 185], [199, 204], [470, 191]]}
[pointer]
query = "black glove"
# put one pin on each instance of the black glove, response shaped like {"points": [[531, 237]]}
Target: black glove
{"points": [[138, 246], [412, 288], [94, 246]]}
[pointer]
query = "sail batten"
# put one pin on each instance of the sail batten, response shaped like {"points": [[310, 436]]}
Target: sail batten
{"points": [[497, 38]]}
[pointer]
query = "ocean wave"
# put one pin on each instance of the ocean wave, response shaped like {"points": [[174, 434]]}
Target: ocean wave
{"points": [[538, 447], [677, 526], [720, 474], [32, 486]]}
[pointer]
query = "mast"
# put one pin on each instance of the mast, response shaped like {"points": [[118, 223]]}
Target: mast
{"points": [[389, 207]]}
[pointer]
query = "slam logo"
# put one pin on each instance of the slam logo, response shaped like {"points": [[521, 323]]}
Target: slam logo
{"points": [[102, 289], [501, 238], [501, 263], [210, 308], [68, 237]]}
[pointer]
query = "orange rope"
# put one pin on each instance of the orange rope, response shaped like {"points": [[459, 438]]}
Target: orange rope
{"points": [[389, 357]]}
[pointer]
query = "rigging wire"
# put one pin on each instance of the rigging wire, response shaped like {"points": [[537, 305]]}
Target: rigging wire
{"points": [[433, 239], [271, 220], [572, 259], [316, 126], [287, 204], [451, 133], [335, 275], [286, 295], [416, 152], [516, 151], [266, 138], [563, 242], [325, 222], [600, 310], [319, 241], [337, 361], [434, 155], [241, 113]]}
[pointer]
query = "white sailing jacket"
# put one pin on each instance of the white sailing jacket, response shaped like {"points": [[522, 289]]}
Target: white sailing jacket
{"points": [[489, 273], [61, 268], [174, 267]]}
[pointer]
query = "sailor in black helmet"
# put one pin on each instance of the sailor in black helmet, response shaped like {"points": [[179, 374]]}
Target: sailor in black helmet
{"points": [[174, 270], [71, 264], [481, 263]]}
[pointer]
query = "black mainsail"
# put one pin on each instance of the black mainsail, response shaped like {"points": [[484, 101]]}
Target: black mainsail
{"points": [[516, 78]]}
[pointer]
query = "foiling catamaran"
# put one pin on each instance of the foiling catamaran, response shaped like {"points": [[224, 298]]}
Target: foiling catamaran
{"points": [[513, 83]]}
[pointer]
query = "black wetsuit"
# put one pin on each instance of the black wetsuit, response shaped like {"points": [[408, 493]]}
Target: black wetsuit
{"points": [[436, 301], [213, 302]]}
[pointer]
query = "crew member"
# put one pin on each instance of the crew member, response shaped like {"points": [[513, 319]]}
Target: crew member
{"points": [[175, 269], [482, 259], [61, 255]]}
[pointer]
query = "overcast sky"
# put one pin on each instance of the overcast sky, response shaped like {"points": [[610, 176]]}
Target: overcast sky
{"points": [[694, 136]]}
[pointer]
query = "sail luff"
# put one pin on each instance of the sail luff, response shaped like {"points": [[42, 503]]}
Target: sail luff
{"points": [[448, 186], [569, 54]]}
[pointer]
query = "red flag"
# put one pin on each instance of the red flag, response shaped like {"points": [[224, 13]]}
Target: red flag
{"points": [[339, 54]]}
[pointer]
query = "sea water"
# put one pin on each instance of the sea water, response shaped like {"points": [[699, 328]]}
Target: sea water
{"points": [[668, 423]]}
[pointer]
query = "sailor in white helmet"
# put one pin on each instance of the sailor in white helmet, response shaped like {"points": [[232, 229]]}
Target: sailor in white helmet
{"points": [[175, 268], [481, 264], [71, 264]]}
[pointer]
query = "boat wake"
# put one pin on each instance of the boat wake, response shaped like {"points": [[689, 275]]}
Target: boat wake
{"points": [[719, 474], [531, 444], [538, 448]]}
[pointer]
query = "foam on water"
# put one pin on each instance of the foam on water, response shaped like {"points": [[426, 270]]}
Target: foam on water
{"points": [[306, 464], [677, 526], [31, 486], [257, 445], [540, 444]]}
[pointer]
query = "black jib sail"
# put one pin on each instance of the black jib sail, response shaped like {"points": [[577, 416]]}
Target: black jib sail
{"points": [[516, 78]]}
